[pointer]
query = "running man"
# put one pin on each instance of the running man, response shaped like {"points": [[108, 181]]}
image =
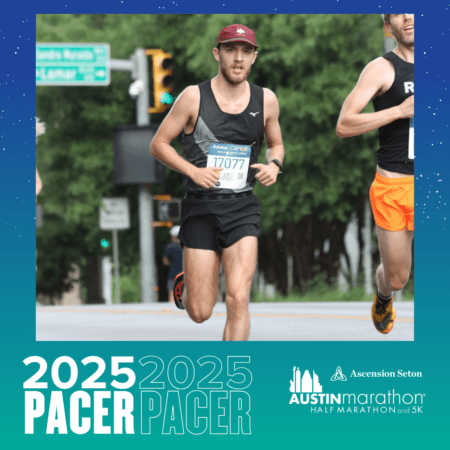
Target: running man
{"points": [[224, 121], [389, 82]]}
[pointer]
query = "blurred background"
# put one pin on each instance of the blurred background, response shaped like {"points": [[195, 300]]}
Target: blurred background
{"points": [[318, 239]]}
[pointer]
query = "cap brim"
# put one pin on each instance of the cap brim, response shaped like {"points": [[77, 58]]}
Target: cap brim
{"points": [[238, 40]]}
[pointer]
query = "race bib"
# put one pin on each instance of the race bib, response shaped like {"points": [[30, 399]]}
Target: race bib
{"points": [[411, 139], [234, 159]]}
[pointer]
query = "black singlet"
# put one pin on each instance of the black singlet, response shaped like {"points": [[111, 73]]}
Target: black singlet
{"points": [[393, 154], [215, 126]]}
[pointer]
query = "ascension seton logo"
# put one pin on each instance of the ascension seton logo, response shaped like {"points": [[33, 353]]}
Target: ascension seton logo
{"points": [[338, 376]]}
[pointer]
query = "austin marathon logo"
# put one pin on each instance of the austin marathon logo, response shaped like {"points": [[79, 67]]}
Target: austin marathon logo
{"points": [[306, 390]]}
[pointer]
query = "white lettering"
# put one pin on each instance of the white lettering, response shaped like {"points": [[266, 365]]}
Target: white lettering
{"points": [[409, 87], [34, 408], [100, 412], [123, 409], [56, 414], [75, 412]]}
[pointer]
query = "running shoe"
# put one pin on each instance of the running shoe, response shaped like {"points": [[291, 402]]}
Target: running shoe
{"points": [[178, 284], [383, 315]]}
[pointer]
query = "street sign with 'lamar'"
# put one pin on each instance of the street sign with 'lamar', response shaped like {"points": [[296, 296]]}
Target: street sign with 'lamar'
{"points": [[61, 64]]}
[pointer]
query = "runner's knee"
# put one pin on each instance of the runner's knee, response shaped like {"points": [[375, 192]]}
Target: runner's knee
{"points": [[237, 302], [199, 313], [399, 280]]}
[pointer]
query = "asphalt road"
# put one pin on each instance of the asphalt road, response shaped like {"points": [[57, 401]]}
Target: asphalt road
{"points": [[336, 321]]}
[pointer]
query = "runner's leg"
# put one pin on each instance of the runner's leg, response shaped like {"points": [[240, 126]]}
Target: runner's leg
{"points": [[239, 263], [201, 273], [394, 270]]}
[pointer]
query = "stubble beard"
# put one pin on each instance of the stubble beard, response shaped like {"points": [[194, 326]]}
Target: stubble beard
{"points": [[405, 42], [234, 80]]}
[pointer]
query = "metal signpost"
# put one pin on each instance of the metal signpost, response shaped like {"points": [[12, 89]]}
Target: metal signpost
{"points": [[115, 215], [72, 64], [148, 272]]}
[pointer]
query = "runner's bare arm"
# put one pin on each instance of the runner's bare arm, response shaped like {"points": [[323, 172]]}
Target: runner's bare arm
{"points": [[268, 173], [375, 78], [38, 183], [181, 114], [272, 130]]}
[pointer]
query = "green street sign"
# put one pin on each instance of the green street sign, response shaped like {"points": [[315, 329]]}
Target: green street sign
{"points": [[61, 64]]}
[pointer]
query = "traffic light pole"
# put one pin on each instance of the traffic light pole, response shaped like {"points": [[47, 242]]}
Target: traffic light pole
{"points": [[146, 236], [139, 71]]}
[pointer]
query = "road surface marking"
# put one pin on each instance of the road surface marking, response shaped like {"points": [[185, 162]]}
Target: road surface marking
{"points": [[171, 312]]}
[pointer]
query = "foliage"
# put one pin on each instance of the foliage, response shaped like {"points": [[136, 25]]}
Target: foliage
{"points": [[322, 292], [130, 288]]}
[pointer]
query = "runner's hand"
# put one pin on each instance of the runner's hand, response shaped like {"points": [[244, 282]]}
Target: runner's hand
{"points": [[407, 108], [267, 174], [206, 177]]}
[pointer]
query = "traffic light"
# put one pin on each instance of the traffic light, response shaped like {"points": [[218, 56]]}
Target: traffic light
{"points": [[169, 210], [163, 81], [104, 243]]}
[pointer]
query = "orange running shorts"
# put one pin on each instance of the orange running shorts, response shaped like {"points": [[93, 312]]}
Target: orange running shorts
{"points": [[392, 202]]}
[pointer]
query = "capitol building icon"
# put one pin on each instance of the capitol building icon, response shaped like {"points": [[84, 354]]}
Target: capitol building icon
{"points": [[306, 384]]}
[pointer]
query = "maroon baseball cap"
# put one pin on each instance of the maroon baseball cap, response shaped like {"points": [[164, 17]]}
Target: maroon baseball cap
{"points": [[237, 33]]}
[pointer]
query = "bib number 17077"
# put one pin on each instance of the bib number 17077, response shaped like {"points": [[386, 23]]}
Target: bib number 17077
{"points": [[229, 163]]}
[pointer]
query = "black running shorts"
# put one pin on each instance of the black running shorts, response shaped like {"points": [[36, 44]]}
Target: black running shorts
{"points": [[218, 222]]}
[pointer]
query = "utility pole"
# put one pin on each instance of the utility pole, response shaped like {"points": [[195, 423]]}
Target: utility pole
{"points": [[146, 236], [139, 71]]}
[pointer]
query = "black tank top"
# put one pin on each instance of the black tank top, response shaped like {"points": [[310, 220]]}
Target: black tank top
{"points": [[215, 126], [394, 137]]}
